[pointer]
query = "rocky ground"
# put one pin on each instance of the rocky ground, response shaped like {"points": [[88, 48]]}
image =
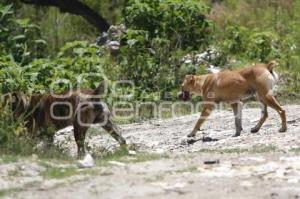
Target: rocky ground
{"points": [[216, 165]]}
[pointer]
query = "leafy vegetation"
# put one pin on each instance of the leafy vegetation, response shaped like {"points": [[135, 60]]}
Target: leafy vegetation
{"points": [[13, 135]]}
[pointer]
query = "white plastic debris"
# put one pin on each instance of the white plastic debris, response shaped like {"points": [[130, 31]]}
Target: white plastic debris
{"points": [[213, 69], [87, 162]]}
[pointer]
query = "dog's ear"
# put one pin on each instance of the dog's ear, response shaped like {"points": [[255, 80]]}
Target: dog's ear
{"points": [[101, 88], [190, 78]]}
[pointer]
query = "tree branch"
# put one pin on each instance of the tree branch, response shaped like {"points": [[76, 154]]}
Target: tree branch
{"points": [[75, 7]]}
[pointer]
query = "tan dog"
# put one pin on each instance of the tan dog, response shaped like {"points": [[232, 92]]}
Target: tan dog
{"points": [[80, 108], [232, 87]]}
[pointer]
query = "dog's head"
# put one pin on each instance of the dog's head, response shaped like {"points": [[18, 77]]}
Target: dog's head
{"points": [[187, 86], [17, 101]]}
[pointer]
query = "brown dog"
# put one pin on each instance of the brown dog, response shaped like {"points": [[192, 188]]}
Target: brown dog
{"points": [[232, 87], [80, 108]]}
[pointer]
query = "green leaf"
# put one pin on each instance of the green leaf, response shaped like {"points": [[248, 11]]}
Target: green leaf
{"points": [[6, 10], [19, 37], [40, 41]]}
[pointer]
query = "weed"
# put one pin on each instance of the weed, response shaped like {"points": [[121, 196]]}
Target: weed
{"points": [[6, 192], [254, 149], [190, 169], [59, 173], [295, 150], [8, 158]]}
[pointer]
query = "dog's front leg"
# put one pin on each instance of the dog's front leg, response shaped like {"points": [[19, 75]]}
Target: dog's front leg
{"points": [[83, 119], [237, 110], [207, 109], [264, 116]]}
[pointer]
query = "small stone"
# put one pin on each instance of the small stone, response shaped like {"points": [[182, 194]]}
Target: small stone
{"points": [[116, 163], [256, 159], [210, 162], [246, 184], [293, 181]]}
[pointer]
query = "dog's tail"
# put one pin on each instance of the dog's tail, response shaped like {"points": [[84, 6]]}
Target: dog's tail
{"points": [[100, 90], [271, 65]]}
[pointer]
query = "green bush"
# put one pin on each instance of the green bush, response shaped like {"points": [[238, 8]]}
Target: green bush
{"points": [[19, 37], [236, 40], [263, 46], [74, 60], [14, 138], [252, 45], [183, 23], [159, 34]]}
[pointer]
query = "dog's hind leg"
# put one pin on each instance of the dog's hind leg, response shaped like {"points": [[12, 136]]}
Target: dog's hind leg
{"points": [[207, 109], [270, 100], [103, 118], [112, 129], [264, 116], [237, 110]]}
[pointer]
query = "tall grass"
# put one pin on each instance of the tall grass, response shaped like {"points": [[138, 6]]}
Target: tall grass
{"points": [[14, 137]]}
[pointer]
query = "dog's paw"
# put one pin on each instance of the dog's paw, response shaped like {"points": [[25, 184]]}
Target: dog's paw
{"points": [[191, 140], [254, 130], [236, 135], [283, 129], [187, 140], [191, 135]]}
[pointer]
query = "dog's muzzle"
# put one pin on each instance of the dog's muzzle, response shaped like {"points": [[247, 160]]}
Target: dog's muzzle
{"points": [[185, 95]]}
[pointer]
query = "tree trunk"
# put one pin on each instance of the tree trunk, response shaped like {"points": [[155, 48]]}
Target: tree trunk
{"points": [[75, 7]]}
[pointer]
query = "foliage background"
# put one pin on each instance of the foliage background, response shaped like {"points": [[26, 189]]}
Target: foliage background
{"points": [[39, 45]]}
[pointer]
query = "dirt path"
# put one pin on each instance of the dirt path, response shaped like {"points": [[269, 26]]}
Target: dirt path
{"points": [[263, 165]]}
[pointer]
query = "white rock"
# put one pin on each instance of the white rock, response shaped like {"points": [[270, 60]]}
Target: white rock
{"points": [[176, 186], [246, 184], [293, 181], [280, 173], [256, 159], [290, 159]]}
